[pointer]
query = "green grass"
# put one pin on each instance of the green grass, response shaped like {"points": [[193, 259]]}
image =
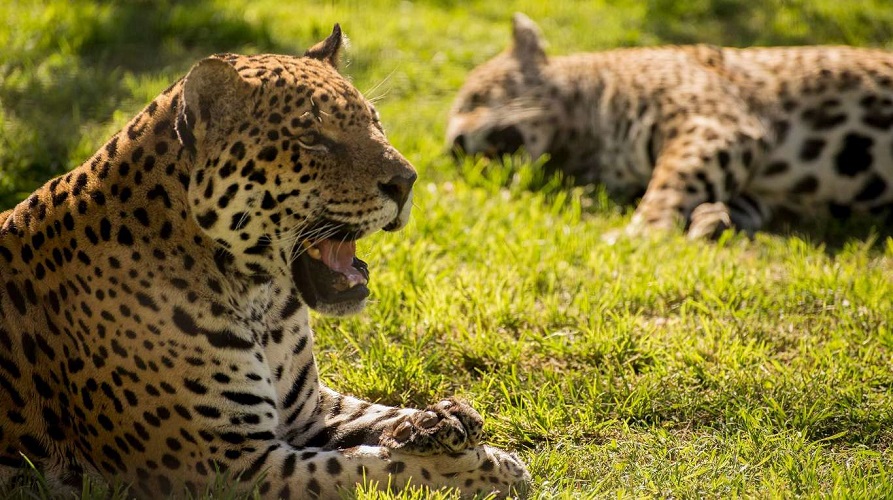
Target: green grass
{"points": [[648, 367]]}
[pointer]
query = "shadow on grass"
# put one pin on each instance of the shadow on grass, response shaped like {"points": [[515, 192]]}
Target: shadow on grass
{"points": [[72, 67], [835, 235], [744, 23], [516, 173]]}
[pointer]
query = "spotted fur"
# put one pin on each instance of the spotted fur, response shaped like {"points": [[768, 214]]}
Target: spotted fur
{"points": [[712, 136], [150, 324]]}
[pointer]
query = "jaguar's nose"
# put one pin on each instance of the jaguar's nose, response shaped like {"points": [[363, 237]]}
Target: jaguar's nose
{"points": [[506, 140], [459, 145], [398, 188]]}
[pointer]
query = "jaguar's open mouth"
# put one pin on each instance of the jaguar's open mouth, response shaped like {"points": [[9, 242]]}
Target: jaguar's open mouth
{"points": [[328, 272]]}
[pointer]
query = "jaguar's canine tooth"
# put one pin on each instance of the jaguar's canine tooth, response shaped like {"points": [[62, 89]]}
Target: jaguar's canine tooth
{"points": [[312, 251]]}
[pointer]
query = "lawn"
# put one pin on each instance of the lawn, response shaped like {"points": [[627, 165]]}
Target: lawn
{"points": [[649, 367]]}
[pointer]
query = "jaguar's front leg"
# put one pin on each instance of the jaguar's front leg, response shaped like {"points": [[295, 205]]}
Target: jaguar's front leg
{"points": [[344, 421], [435, 447], [696, 176]]}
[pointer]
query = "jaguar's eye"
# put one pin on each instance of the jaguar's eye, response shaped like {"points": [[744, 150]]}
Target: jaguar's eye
{"points": [[311, 140]]}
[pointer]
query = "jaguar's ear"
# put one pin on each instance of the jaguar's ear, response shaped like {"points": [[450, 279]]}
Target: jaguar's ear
{"points": [[213, 94], [328, 50], [529, 46]]}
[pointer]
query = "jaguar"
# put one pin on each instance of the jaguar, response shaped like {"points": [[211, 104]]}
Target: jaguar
{"points": [[706, 137], [154, 301]]}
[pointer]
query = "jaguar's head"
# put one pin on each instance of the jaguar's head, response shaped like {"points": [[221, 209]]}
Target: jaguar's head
{"points": [[506, 103], [292, 167]]}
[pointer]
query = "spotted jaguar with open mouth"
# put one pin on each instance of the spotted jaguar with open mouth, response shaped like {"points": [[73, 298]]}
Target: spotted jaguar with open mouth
{"points": [[158, 300]]}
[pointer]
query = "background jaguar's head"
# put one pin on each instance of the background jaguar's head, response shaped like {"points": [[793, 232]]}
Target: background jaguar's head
{"points": [[291, 168], [505, 103]]}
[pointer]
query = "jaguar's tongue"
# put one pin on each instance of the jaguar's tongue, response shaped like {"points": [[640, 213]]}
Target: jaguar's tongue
{"points": [[339, 257], [327, 272]]}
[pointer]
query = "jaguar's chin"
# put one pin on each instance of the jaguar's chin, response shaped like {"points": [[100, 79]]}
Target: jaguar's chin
{"points": [[330, 277]]}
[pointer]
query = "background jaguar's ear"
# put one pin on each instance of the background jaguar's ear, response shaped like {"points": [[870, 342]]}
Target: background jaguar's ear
{"points": [[329, 49], [529, 46], [213, 93]]}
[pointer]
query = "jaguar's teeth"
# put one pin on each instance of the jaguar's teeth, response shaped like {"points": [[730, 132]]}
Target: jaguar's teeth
{"points": [[312, 251]]}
